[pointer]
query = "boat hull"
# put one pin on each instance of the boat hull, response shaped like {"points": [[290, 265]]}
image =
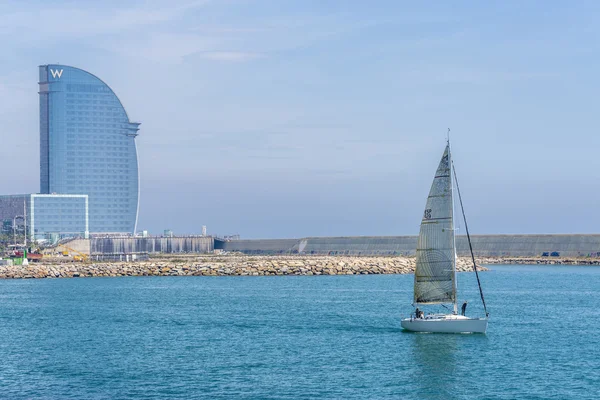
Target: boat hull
{"points": [[446, 324]]}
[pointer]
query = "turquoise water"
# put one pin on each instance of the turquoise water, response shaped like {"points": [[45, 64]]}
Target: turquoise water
{"points": [[297, 337]]}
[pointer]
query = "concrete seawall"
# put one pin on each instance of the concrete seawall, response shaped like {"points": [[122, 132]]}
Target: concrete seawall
{"points": [[151, 245], [483, 245]]}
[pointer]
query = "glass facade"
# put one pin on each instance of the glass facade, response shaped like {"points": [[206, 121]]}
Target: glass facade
{"points": [[62, 215], [87, 145]]}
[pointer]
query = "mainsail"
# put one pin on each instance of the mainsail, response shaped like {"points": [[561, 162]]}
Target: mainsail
{"points": [[434, 274]]}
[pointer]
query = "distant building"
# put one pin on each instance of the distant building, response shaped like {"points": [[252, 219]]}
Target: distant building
{"points": [[45, 215], [87, 145]]}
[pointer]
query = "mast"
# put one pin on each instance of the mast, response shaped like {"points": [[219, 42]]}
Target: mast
{"points": [[454, 283], [25, 221], [469, 240]]}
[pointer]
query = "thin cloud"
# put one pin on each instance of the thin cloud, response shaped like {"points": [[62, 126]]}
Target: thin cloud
{"points": [[233, 56], [88, 21], [165, 48]]}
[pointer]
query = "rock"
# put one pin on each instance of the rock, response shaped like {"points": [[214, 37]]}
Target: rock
{"points": [[241, 265]]}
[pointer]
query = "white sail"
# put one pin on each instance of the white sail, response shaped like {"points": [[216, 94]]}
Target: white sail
{"points": [[435, 270]]}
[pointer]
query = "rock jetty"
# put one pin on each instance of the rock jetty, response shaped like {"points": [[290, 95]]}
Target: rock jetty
{"points": [[538, 261], [222, 265]]}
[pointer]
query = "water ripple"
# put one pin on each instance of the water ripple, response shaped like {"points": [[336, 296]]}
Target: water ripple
{"points": [[296, 337]]}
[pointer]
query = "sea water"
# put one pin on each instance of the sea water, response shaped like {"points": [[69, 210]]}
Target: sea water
{"points": [[297, 337]]}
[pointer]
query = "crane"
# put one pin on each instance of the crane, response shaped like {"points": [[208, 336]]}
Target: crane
{"points": [[79, 255]]}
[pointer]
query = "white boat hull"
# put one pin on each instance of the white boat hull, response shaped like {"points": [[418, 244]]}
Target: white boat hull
{"points": [[445, 324]]}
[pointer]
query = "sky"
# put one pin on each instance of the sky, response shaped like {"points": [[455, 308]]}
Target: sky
{"points": [[288, 119]]}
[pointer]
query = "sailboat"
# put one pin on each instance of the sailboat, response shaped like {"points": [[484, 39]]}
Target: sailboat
{"points": [[435, 272]]}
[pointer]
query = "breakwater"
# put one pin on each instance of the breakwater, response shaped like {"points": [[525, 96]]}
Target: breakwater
{"points": [[218, 265], [248, 265], [483, 245], [571, 246], [538, 261]]}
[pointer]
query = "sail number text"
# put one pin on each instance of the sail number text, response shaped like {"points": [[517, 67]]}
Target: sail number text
{"points": [[427, 214]]}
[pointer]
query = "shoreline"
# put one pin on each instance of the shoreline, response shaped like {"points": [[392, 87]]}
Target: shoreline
{"points": [[249, 265]]}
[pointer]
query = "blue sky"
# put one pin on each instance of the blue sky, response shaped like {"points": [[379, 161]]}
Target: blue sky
{"points": [[313, 118]]}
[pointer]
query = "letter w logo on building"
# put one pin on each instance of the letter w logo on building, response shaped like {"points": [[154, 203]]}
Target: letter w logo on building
{"points": [[56, 73]]}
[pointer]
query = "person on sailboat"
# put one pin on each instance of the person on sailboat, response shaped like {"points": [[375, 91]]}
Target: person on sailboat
{"points": [[418, 313], [464, 308]]}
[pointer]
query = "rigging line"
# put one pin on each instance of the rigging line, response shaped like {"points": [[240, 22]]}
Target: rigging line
{"points": [[469, 239]]}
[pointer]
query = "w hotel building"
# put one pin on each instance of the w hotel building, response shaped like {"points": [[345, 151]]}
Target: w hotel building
{"points": [[87, 147]]}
